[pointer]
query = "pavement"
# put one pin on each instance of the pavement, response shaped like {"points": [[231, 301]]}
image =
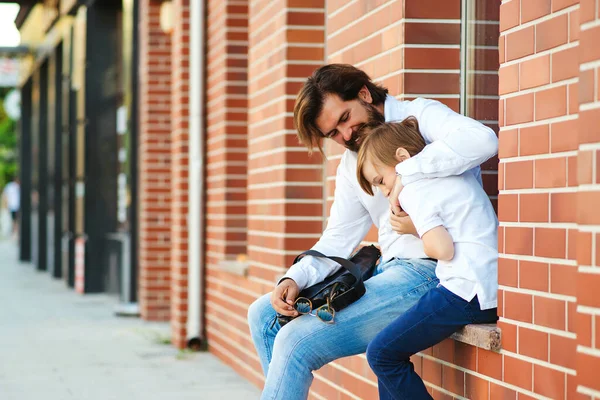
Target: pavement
{"points": [[58, 345]]}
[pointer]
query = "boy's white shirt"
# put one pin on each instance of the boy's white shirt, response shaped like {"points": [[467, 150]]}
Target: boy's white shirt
{"points": [[460, 204], [455, 144]]}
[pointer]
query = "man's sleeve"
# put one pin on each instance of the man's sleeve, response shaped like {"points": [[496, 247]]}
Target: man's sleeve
{"points": [[348, 224], [457, 143]]}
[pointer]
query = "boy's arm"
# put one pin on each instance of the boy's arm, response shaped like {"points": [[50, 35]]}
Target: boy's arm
{"points": [[456, 143], [438, 244]]}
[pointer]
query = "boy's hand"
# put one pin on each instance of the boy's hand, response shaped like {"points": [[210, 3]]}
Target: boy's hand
{"points": [[393, 197], [401, 223], [283, 297]]}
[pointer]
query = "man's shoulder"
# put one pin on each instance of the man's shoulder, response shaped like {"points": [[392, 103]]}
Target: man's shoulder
{"points": [[397, 110]]}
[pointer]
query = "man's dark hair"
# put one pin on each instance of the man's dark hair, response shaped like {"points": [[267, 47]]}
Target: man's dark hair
{"points": [[341, 79]]}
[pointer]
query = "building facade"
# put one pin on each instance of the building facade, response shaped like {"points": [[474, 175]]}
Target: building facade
{"points": [[220, 197]]}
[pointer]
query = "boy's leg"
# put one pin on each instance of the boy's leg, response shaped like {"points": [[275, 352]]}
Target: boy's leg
{"points": [[306, 344], [436, 316]]}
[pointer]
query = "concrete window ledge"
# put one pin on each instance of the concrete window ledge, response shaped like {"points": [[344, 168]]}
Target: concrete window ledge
{"points": [[235, 267], [486, 336]]}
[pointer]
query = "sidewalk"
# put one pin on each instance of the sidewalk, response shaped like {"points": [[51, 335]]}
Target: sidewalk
{"points": [[58, 345]]}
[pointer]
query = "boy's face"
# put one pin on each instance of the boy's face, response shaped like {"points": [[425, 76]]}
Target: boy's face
{"points": [[381, 176]]}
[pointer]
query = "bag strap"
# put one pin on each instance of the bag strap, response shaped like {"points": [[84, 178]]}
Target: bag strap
{"points": [[349, 265]]}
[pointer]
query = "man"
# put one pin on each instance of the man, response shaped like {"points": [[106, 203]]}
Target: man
{"points": [[11, 196], [335, 102]]}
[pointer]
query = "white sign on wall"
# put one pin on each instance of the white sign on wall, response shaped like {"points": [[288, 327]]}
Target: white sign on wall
{"points": [[9, 72]]}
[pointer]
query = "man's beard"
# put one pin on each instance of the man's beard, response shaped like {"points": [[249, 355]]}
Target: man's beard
{"points": [[373, 115]]}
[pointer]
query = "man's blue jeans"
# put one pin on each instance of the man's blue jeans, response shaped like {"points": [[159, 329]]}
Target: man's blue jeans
{"points": [[290, 354], [436, 316]]}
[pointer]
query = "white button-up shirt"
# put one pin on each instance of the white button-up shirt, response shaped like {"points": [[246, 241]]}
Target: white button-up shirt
{"points": [[455, 144], [459, 204]]}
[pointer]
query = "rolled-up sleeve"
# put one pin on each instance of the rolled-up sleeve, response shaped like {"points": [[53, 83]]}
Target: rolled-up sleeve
{"points": [[456, 143]]}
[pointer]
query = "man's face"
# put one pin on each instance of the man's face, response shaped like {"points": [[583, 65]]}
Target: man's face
{"points": [[342, 120], [381, 176]]}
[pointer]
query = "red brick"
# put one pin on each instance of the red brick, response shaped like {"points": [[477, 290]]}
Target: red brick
{"points": [[551, 103], [533, 207], [533, 275], [432, 372], [501, 49], [432, 9], [573, 106], [519, 109], [489, 363], [550, 242], [563, 207], [587, 9], [508, 207], [518, 306], [518, 372], [498, 392], [509, 14], [552, 33], [508, 143], [518, 240], [548, 382], [562, 350], [476, 388], [520, 43], [563, 279], [535, 72], [589, 121], [453, 380], [534, 9], [586, 94], [574, 25], [588, 44], [564, 136], [560, 4], [549, 312], [534, 140], [551, 172], [585, 164], [518, 175], [587, 290], [509, 336], [508, 274], [587, 210], [509, 79], [564, 64], [533, 343], [465, 356]]}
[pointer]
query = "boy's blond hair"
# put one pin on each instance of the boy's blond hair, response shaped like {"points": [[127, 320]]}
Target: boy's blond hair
{"points": [[380, 143]]}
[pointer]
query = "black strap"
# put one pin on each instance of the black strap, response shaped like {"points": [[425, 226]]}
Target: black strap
{"points": [[349, 265]]}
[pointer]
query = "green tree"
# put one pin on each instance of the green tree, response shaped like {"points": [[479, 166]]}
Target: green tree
{"points": [[8, 142]]}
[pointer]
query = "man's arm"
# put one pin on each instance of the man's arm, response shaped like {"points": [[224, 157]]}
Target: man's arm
{"points": [[457, 143], [348, 224]]}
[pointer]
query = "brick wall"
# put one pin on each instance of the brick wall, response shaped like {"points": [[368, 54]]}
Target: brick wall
{"points": [[180, 52], [537, 204], [587, 316], [154, 164]]}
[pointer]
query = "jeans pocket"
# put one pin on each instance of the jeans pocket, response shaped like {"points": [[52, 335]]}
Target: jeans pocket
{"points": [[424, 267]]}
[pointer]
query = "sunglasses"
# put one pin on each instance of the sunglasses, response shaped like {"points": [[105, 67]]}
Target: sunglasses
{"points": [[325, 313]]}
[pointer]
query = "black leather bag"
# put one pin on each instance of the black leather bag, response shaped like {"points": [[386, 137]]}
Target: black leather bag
{"points": [[345, 286]]}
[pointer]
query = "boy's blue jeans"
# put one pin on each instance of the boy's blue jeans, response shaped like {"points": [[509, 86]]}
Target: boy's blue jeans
{"points": [[290, 354], [436, 316]]}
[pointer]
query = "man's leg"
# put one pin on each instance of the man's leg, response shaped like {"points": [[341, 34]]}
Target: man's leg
{"points": [[436, 316], [306, 344], [261, 316]]}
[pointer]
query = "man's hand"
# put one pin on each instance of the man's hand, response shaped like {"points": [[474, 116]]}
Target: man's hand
{"points": [[401, 223], [283, 297], [393, 197]]}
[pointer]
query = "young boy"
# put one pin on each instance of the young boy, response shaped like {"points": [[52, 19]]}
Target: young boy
{"points": [[458, 226]]}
